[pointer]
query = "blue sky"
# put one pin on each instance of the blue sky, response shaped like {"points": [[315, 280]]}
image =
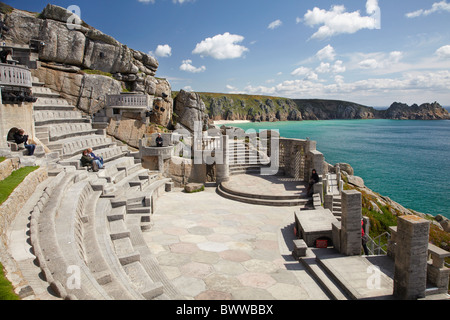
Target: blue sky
{"points": [[373, 52]]}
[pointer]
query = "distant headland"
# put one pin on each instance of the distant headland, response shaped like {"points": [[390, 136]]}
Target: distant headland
{"points": [[232, 107]]}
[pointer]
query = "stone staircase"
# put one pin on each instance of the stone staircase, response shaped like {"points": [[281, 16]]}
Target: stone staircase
{"points": [[245, 160], [86, 229], [347, 277], [65, 131]]}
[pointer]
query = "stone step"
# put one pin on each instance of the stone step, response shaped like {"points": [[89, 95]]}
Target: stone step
{"points": [[330, 287], [44, 92], [303, 203], [295, 197]]}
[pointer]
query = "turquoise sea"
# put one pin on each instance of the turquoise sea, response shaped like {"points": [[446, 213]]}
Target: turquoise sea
{"points": [[408, 161]]}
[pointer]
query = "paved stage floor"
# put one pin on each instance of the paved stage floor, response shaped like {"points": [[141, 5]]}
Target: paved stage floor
{"points": [[213, 248]]}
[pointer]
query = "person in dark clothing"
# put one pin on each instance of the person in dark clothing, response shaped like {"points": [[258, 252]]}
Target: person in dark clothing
{"points": [[4, 55], [88, 161], [159, 141], [20, 137], [314, 179]]}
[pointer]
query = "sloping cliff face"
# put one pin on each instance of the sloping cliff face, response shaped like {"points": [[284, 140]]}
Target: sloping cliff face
{"points": [[248, 107], [334, 109], [264, 108]]}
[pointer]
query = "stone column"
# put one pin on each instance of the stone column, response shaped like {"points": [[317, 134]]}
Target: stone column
{"points": [[351, 223], [223, 167], [411, 254]]}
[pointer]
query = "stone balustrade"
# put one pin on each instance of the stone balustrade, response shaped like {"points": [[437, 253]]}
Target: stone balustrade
{"points": [[128, 100], [16, 76]]}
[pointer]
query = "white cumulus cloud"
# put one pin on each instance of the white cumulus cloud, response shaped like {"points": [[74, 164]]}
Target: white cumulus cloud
{"points": [[443, 52], [326, 53], [187, 66], [163, 51], [275, 24], [338, 21], [436, 7], [221, 46]]}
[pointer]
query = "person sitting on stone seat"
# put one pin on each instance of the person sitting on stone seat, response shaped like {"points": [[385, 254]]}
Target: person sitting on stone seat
{"points": [[159, 140], [4, 55], [99, 158], [88, 161], [20, 137], [314, 179]]}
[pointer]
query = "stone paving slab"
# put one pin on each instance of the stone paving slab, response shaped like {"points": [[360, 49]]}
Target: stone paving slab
{"points": [[214, 248]]}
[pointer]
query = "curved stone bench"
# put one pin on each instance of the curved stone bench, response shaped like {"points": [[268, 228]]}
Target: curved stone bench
{"points": [[46, 117], [43, 238], [69, 130]]}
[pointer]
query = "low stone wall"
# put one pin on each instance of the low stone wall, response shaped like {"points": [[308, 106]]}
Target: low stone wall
{"points": [[11, 207], [7, 167]]}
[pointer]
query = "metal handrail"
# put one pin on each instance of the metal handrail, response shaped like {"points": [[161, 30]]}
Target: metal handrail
{"points": [[374, 245]]}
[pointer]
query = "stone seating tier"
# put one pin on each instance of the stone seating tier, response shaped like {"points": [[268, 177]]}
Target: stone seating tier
{"points": [[68, 130], [73, 225], [43, 117]]}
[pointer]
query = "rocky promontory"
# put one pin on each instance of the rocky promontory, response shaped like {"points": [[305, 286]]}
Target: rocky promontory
{"points": [[426, 111]]}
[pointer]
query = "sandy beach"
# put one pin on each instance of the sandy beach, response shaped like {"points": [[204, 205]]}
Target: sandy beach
{"points": [[221, 122]]}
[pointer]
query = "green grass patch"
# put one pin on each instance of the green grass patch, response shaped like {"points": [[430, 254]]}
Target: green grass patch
{"points": [[6, 288], [8, 185], [198, 190], [5, 9], [98, 72], [2, 159]]}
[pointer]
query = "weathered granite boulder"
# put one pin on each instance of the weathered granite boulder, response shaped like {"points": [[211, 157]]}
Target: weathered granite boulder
{"points": [[356, 181], [23, 25], [62, 45], [346, 167], [59, 14], [85, 91], [79, 45], [108, 58], [190, 108], [194, 187]]}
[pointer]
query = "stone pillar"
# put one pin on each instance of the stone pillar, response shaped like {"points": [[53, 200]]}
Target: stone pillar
{"points": [[351, 223], [317, 162], [328, 202], [411, 254], [223, 168]]}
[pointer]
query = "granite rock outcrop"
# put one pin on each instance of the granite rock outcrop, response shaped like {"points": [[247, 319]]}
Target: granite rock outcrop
{"points": [[189, 108], [83, 64]]}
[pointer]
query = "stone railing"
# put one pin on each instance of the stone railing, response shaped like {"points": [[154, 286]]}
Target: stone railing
{"points": [[16, 76], [128, 100], [209, 144]]}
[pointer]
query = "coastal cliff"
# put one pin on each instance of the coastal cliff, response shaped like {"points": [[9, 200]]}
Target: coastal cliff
{"points": [[265, 108]]}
